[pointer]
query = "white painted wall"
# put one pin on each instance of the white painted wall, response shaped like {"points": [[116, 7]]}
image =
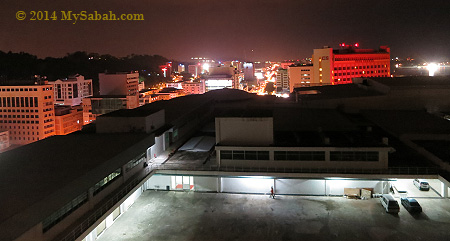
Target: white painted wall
{"points": [[130, 200], [206, 184], [158, 182], [300, 186], [158, 147], [247, 185], [336, 187]]}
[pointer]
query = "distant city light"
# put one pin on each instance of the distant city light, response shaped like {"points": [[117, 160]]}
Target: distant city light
{"points": [[206, 67], [432, 68], [259, 75]]}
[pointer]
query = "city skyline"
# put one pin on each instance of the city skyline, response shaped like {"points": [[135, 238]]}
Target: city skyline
{"points": [[250, 30]]}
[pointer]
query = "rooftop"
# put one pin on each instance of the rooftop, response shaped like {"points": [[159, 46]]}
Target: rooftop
{"points": [[246, 113], [107, 96], [415, 81], [400, 122], [335, 92], [351, 50], [37, 167], [21, 82], [131, 113]]}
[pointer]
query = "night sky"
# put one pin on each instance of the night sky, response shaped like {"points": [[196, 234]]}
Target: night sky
{"points": [[274, 30]]}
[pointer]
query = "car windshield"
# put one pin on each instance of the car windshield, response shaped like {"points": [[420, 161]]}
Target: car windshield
{"points": [[414, 204]]}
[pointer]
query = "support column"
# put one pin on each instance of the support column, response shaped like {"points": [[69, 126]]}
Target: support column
{"points": [[274, 185], [219, 184], [444, 190], [327, 156], [90, 198]]}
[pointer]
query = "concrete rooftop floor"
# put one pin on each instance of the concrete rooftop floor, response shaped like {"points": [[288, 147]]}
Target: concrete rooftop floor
{"points": [[161, 215]]}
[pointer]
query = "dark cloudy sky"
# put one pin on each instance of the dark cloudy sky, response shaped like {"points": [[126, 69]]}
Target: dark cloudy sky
{"points": [[274, 30]]}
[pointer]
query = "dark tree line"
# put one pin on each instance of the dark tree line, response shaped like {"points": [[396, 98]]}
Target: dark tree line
{"points": [[23, 66]]}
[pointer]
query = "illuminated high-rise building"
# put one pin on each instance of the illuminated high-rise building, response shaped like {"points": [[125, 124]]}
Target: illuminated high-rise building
{"points": [[194, 69], [72, 90], [221, 77], [339, 66], [249, 72], [26, 111], [282, 81], [181, 68], [301, 75], [68, 119]]}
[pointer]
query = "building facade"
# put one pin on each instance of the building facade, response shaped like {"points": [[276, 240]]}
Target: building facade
{"points": [[27, 112], [99, 105], [339, 66], [4, 140], [282, 81], [68, 119], [302, 75], [250, 142], [194, 87], [221, 77], [72, 90], [121, 84]]}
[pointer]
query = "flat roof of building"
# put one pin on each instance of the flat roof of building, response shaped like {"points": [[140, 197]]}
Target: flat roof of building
{"points": [[107, 96], [400, 122], [439, 148], [302, 119], [34, 172], [414, 81], [334, 92], [181, 106], [131, 112], [22, 83], [381, 50], [246, 113]]}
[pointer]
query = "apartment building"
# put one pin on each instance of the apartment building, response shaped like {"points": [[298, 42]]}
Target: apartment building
{"points": [[72, 90]]}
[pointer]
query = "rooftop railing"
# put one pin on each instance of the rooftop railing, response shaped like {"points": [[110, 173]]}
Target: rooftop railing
{"points": [[391, 170]]}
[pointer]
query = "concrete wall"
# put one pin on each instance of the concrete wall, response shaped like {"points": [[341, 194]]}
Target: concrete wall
{"points": [[247, 185], [261, 185], [158, 182], [206, 184], [296, 76], [382, 163], [115, 84], [300, 186], [323, 59], [158, 147], [336, 187], [32, 234], [244, 131], [119, 124]]}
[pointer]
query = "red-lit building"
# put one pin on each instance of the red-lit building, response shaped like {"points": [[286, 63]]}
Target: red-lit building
{"points": [[339, 66], [166, 69]]}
